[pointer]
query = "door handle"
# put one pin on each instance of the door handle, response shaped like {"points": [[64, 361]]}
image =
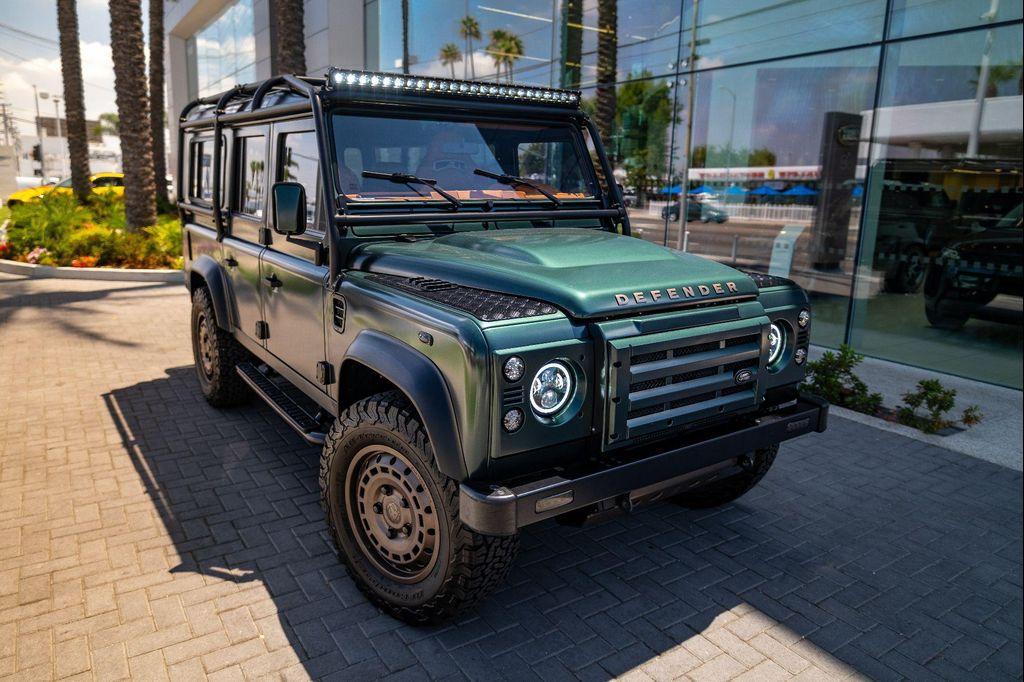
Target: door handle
{"points": [[231, 262], [273, 281]]}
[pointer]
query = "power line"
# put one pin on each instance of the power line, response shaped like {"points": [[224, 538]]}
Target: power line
{"points": [[43, 39]]}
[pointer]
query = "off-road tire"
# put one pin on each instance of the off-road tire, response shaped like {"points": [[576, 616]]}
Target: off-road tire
{"points": [[945, 322], [468, 565], [728, 489], [218, 379]]}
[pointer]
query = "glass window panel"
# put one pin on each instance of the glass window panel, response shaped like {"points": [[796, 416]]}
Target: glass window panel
{"points": [[298, 163], [252, 164], [646, 35], [730, 32], [940, 282], [773, 173], [225, 51], [914, 17]]}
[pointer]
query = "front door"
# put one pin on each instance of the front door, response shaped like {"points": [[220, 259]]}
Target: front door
{"points": [[293, 285], [242, 247]]}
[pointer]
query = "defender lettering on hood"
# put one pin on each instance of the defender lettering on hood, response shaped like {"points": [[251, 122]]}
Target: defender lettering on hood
{"points": [[676, 293]]}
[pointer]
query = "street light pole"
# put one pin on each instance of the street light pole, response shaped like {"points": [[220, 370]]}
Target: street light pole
{"points": [[39, 137], [56, 115], [732, 129]]}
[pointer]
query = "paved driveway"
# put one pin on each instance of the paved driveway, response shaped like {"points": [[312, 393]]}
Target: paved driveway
{"points": [[143, 533]]}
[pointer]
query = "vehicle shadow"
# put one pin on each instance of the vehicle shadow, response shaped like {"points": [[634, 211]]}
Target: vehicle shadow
{"points": [[860, 552]]}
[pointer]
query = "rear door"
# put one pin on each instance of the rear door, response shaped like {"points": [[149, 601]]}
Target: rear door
{"points": [[249, 206], [293, 284]]}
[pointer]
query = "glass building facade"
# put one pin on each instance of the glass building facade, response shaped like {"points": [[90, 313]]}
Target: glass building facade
{"points": [[870, 150], [224, 52]]}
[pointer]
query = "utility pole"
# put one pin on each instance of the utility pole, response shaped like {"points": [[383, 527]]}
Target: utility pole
{"points": [[3, 123], [39, 137], [56, 115]]}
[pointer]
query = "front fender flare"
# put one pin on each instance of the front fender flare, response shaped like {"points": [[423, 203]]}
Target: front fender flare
{"points": [[211, 272], [422, 382]]}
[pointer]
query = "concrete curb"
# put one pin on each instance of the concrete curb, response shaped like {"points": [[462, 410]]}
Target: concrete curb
{"points": [[110, 274]]}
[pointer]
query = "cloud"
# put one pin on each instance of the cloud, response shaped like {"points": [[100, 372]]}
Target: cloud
{"points": [[18, 77]]}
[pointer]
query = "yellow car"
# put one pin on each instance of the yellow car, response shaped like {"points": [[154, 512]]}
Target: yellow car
{"points": [[102, 183]]}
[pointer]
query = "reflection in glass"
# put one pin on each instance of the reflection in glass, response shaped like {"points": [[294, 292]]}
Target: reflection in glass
{"points": [[942, 249], [298, 163], [914, 17], [224, 53]]}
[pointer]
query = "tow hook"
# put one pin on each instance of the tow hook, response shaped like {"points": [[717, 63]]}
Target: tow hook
{"points": [[747, 462], [626, 503]]}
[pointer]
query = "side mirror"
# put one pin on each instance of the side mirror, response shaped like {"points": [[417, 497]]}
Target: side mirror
{"points": [[289, 208]]}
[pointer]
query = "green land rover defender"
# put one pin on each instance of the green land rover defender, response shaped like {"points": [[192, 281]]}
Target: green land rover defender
{"points": [[435, 281]]}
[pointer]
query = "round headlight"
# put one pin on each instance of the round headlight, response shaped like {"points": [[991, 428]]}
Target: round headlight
{"points": [[551, 388], [513, 368], [776, 343]]}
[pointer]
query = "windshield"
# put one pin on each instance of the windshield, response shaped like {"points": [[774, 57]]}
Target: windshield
{"points": [[449, 152], [64, 183]]}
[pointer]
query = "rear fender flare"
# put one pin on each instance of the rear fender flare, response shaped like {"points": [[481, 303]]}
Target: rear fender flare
{"points": [[421, 381], [212, 275]]}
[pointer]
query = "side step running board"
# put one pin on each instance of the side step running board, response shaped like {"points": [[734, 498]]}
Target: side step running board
{"points": [[304, 423]]}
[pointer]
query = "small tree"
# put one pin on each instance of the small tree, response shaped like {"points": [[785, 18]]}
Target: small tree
{"points": [[450, 54], [832, 378]]}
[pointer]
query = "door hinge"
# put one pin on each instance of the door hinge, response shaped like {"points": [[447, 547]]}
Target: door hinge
{"points": [[325, 373], [262, 330]]}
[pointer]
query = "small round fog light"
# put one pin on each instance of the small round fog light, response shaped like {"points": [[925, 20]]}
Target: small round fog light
{"points": [[514, 368], [799, 356], [513, 420], [803, 318]]}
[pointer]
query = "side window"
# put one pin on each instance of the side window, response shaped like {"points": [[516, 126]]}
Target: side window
{"points": [[201, 181], [202, 170], [252, 175], [105, 181], [298, 163]]}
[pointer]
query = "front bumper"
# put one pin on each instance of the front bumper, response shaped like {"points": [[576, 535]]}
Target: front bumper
{"points": [[501, 510]]}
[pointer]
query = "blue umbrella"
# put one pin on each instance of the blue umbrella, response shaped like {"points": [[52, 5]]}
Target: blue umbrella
{"points": [[858, 191], [800, 191], [735, 189], [703, 189], [674, 189], [764, 190]]}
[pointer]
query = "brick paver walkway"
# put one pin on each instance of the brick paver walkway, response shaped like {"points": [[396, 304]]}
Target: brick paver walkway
{"points": [[144, 534]]}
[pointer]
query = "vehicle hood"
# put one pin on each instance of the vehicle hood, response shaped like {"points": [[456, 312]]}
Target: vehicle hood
{"points": [[585, 272]]}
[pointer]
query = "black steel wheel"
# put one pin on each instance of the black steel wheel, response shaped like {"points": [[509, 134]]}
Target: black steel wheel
{"points": [[216, 355], [753, 468], [394, 516]]}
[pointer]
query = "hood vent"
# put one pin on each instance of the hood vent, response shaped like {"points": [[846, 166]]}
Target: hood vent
{"points": [[488, 306]]}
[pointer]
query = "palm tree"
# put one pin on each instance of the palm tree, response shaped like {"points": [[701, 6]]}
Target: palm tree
{"points": [[288, 47], [405, 37], [156, 98], [129, 56], [505, 48], [607, 46], [74, 99], [107, 124], [469, 29], [450, 54]]}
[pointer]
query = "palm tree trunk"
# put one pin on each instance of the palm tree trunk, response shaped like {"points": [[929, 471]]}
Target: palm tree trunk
{"points": [[156, 98], [129, 56], [74, 99], [405, 37], [288, 41], [472, 62], [607, 47]]}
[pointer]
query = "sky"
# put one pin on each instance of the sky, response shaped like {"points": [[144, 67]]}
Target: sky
{"points": [[27, 60]]}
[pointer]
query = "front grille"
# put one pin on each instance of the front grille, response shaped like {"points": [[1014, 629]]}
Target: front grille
{"points": [[673, 380]]}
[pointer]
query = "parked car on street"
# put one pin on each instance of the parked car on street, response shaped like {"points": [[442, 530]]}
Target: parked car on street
{"points": [[429, 280], [102, 183], [695, 210]]}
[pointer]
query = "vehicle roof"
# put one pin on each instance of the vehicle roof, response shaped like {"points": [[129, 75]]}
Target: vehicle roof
{"points": [[368, 87]]}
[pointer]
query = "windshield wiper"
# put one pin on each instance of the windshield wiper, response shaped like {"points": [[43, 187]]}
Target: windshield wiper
{"points": [[513, 180], [407, 179]]}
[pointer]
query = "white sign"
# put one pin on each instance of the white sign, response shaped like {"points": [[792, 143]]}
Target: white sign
{"points": [[782, 250]]}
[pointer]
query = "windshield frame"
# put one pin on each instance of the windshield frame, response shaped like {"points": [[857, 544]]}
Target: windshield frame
{"points": [[569, 123]]}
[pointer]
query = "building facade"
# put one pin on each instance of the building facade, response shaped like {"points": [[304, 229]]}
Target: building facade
{"points": [[869, 150]]}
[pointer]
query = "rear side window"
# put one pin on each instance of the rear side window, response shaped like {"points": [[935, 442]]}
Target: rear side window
{"points": [[201, 180], [298, 163], [252, 175]]}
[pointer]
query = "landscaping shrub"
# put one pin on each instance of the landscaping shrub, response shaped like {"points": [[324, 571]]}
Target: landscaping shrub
{"points": [[56, 230], [832, 378], [936, 400]]}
